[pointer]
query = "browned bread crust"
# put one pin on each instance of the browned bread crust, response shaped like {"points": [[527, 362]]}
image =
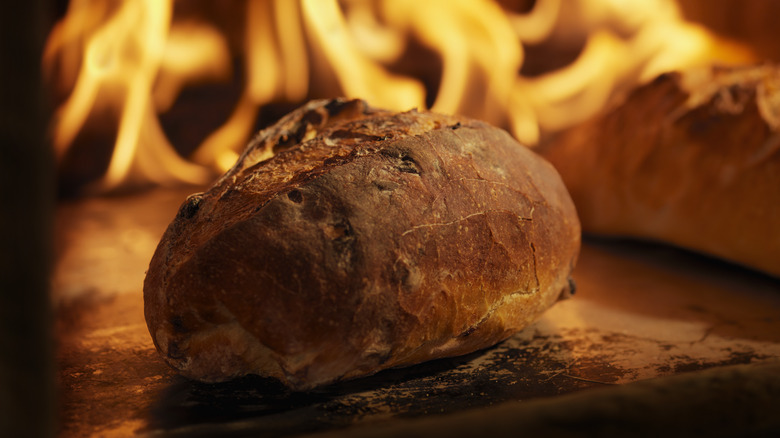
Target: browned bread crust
{"points": [[369, 240], [692, 159]]}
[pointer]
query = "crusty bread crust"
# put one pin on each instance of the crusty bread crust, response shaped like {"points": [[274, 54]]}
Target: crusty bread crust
{"points": [[369, 240], [691, 159]]}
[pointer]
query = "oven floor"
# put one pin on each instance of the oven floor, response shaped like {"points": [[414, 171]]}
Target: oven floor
{"points": [[641, 311]]}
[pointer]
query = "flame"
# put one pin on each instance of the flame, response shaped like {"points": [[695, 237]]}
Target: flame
{"points": [[121, 61], [276, 68], [135, 57]]}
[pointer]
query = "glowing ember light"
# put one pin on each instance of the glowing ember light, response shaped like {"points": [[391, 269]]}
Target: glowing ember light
{"points": [[136, 56]]}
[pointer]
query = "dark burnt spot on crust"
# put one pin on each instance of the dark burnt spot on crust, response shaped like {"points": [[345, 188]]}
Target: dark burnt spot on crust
{"points": [[335, 106], [174, 352], [298, 131], [347, 109], [336, 160], [342, 231], [177, 323], [385, 186], [408, 165], [338, 107], [295, 196], [285, 141], [455, 126], [402, 160], [343, 240], [312, 118], [191, 206]]}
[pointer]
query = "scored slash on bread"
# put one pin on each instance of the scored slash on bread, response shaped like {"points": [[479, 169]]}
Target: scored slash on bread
{"points": [[349, 239]]}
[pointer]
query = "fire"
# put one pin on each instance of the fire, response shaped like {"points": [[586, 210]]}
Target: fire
{"points": [[121, 58], [134, 58]]}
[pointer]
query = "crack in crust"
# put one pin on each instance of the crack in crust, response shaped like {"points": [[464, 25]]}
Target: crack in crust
{"points": [[462, 219]]}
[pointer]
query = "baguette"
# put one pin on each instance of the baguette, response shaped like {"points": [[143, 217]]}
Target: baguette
{"points": [[691, 159]]}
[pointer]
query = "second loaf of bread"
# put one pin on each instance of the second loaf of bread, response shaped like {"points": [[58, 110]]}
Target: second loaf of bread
{"points": [[691, 159]]}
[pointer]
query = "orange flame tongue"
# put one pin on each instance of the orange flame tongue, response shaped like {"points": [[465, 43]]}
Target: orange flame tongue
{"points": [[121, 61]]}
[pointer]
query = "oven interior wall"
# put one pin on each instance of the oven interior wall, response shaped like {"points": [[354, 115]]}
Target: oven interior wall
{"points": [[26, 181]]}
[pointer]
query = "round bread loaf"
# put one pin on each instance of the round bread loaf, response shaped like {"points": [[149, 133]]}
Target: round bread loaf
{"points": [[348, 239]]}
